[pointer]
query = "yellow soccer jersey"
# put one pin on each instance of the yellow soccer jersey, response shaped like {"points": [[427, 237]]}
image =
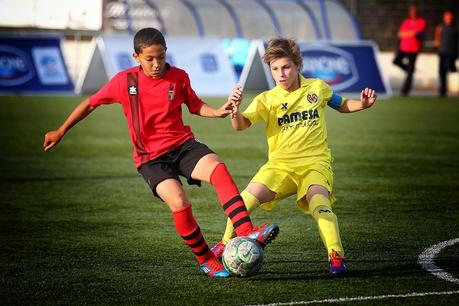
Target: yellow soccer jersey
{"points": [[295, 121]]}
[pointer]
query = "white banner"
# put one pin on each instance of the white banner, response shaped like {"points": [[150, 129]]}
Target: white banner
{"points": [[52, 14], [209, 68], [206, 62]]}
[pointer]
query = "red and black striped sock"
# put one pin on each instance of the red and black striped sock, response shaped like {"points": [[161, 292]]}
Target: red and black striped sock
{"points": [[231, 201], [189, 230]]}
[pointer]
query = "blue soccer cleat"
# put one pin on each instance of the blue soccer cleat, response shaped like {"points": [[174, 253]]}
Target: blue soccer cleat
{"points": [[337, 264], [264, 234], [213, 268]]}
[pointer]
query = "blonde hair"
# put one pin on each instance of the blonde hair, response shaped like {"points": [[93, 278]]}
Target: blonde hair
{"points": [[283, 47]]}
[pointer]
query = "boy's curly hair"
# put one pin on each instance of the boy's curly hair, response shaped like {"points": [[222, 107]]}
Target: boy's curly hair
{"points": [[283, 47]]}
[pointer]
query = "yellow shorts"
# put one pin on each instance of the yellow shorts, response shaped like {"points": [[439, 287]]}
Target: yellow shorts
{"points": [[286, 180]]}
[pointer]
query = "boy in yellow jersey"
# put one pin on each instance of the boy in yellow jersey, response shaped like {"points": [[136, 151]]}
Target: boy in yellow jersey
{"points": [[299, 159]]}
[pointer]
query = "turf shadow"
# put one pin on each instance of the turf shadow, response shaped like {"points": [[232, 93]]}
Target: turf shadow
{"points": [[298, 270]]}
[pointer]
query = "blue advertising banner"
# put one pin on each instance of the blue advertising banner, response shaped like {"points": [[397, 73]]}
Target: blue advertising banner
{"points": [[346, 67], [33, 64]]}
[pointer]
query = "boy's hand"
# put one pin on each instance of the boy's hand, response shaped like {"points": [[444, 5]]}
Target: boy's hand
{"points": [[236, 94], [368, 97], [235, 98], [52, 138], [224, 110]]}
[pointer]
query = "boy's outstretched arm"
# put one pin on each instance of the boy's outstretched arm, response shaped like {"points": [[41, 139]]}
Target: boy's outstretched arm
{"points": [[223, 111], [210, 112], [367, 99], [52, 138]]}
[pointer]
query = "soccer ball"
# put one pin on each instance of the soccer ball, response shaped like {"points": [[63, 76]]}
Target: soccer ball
{"points": [[242, 256]]}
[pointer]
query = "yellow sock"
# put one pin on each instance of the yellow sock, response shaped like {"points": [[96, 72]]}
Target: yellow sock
{"points": [[251, 203], [327, 222]]}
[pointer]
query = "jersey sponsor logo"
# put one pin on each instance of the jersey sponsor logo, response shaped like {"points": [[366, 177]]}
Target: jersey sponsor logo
{"points": [[15, 66], [171, 92], [312, 98], [298, 116], [335, 66], [132, 90]]}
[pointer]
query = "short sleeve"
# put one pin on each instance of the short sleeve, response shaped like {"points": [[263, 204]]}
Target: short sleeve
{"points": [[109, 93], [192, 101], [257, 110], [329, 97]]}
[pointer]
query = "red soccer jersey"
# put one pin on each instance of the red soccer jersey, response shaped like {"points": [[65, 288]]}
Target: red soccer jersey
{"points": [[155, 123], [412, 44]]}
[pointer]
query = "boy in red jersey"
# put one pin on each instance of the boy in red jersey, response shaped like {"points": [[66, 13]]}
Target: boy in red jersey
{"points": [[164, 148]]}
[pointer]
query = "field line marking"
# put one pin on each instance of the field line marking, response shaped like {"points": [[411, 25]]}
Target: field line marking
{"points": [[427, 260], [361, 298]]}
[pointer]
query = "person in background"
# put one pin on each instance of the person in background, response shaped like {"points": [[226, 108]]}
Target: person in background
{"points": [[446, 40], [411, 33]]}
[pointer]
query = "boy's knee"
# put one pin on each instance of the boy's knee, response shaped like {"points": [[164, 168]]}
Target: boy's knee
{"points": [[318, 200], [173, 194], [177, 204]]}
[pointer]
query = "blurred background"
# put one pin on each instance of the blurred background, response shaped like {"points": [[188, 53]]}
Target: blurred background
{"points": [[79, 226], [236, 24]]}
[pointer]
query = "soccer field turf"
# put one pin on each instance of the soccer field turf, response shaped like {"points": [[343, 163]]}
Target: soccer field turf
{"points": [[80, 226]]}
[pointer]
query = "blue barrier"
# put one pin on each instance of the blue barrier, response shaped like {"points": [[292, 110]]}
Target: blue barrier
{"points": [[33, 64], [348, 67]]}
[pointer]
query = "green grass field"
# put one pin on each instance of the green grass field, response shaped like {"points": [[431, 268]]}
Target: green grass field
{"points": [[80, 226]]}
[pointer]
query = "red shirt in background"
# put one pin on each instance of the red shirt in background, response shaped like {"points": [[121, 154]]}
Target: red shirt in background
{"points": [[412, 44], [157, 126]]}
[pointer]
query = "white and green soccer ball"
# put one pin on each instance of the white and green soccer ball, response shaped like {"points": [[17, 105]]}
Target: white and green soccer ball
{"points": [[242, 256]]}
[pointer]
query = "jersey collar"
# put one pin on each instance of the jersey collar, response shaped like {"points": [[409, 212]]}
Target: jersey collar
{"points": [[168, 67], [303, 83]]}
